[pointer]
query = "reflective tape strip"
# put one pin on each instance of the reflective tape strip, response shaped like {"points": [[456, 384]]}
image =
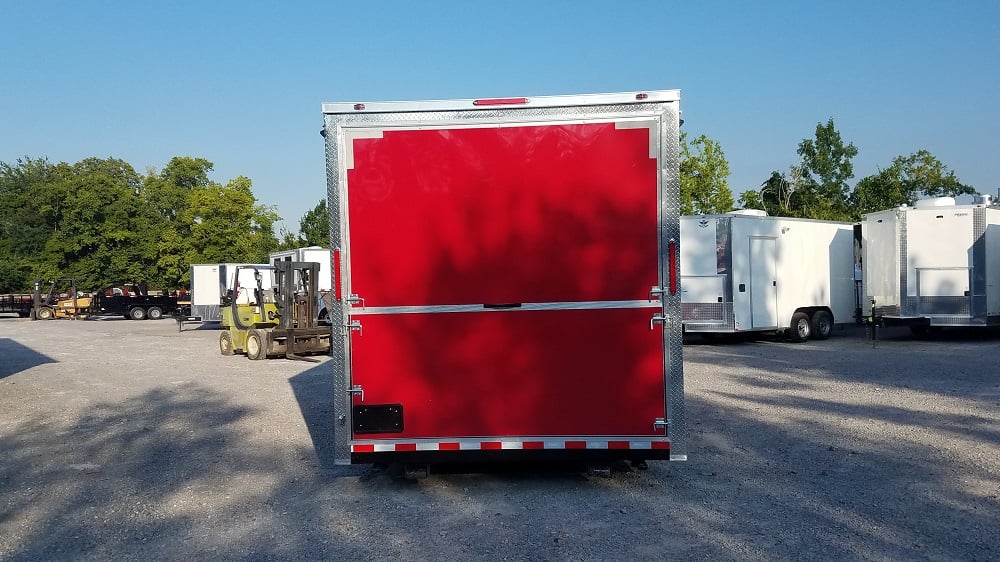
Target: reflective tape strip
{"points": [[508, 445]]}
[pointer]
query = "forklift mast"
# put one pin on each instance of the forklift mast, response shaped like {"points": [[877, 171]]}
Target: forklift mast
{"points": [[297, 287]]}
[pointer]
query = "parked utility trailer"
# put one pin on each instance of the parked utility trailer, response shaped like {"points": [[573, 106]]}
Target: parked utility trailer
{"points": [[18, 303], [746, 271], [323, 258], [934, 264], [131, 300], [211, 287], [493, 266]]}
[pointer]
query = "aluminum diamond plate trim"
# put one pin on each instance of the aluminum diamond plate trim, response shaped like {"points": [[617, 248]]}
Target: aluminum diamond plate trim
{"points": [[978, 297], [339, 337], [670, 232], [909, 307]]}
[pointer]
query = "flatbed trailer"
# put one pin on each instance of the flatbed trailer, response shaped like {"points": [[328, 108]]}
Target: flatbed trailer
{"points": [[20, 304], [506, 279], [135, 307]]}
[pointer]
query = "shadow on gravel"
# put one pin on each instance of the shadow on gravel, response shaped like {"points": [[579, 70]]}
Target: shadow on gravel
{"points": [[794, 489], [827, 459], [17, 358], [185, 472], [171, 474], [313, 390]]}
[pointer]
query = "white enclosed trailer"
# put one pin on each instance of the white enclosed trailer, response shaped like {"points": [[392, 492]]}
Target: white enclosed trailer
{"points": [[934, 264], [746, 271], [210, 283], [309, 254]]}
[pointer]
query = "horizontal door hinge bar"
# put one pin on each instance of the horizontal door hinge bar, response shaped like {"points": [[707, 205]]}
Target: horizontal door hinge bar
{"points": [[506, 307]]}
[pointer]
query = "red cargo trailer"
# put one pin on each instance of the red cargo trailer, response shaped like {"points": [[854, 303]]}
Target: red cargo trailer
{"points": [[506, 279]]}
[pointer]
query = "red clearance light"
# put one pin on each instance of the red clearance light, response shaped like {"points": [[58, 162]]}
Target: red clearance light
{"points": [[672, 265], [641, 96], [337, 291], [501, 101], [359, 106]]}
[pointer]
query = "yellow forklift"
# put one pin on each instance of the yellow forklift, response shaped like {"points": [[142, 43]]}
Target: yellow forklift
{"points": [[276, 315], [51, 304]]}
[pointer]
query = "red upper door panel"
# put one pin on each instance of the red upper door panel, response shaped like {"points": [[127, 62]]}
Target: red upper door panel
{"points": [[496, 215]]}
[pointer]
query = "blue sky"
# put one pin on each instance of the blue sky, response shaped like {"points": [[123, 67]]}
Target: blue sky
{"points": [[241, 83]]}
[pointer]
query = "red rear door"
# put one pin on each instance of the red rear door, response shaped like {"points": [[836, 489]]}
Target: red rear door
{"points": [[504, 272]]}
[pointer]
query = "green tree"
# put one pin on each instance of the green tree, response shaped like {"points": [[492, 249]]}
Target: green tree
{"points": [[776, 193], [228, 225], [24, 231], [908, 179], [704, 177], [168, 195], [826, 169], [315, 226], [100, 230], [98, 221]]}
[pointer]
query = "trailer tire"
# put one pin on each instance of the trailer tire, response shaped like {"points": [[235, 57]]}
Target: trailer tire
{"points": [[154, 313], [137, 313], [800, 328], [822, 325], [226, 343], [256, 346], [45, 313]]}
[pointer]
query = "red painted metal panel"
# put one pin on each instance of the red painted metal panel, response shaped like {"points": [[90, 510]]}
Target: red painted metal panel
{"points": [[517, 373], [550, 213]]}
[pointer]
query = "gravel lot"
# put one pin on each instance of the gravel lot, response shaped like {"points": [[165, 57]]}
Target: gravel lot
{"points": [[130, 440]]}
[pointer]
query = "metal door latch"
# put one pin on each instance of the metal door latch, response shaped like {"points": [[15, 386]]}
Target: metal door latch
{"points": [[660, 423], [657, 319], [356, 389], [354, 325], [355, 299]]}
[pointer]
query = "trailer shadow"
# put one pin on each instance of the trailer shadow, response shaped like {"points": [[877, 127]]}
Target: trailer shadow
{"points": [[178, 472], [17, 358], [313, 390]]}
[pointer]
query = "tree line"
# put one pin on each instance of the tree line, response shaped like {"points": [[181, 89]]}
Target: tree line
{"points": [[818, 187], [99, 221]]}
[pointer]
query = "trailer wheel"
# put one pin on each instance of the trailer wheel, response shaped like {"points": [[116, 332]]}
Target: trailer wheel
{"points": [[226, 343], [800, 329], [45, 313], [822, 324], [154, 313], [256, 348], [137, 313]]}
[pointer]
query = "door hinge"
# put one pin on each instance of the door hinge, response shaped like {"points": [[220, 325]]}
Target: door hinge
{"points": [[656, 293]]}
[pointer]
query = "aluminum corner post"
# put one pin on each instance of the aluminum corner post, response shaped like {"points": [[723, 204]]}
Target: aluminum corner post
{"points": [[670, 237]]}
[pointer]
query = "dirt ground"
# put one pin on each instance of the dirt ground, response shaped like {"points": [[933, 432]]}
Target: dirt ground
{"points": [[130, 440]]}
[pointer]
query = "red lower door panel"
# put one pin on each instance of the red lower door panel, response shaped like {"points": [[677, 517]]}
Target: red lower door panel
{"points": [[513, 373]]}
